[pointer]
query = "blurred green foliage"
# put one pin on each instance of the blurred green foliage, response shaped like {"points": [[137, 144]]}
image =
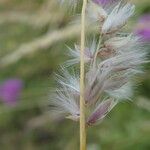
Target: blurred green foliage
{"points": [[21, 127]]}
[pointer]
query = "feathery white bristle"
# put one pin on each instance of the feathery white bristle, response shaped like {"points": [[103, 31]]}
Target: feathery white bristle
{"points": [[75, 53], [118, 17], [68, 80], [65, 99], [65, 102], [121, 42], [124, 92], [95, 12]]}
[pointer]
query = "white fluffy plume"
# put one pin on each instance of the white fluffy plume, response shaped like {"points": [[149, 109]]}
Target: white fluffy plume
{"points": [[118, 17], [111, 64]]}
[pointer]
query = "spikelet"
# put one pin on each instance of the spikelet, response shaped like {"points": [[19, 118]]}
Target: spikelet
{"points": [[89, 53], [65, 99], [118, 17], [70, 81], [65, 103], [96, 12], [101, 111]]}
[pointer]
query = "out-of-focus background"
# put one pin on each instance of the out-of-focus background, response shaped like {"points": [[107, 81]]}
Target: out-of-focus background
{"points": [[33, 39]]}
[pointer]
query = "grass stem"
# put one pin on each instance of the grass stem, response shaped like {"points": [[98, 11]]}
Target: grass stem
{"points": [[82, 74]]}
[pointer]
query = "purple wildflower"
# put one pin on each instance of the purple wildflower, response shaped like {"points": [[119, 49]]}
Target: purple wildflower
{"points": [[10, 91], [143, 27], [103, 2]]}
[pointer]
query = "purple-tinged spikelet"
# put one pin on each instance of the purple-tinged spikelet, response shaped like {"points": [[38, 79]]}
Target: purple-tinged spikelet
{"points": [[101, 111]]}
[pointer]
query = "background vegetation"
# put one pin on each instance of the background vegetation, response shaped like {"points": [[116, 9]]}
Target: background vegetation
{"points": [[33, 38]]}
